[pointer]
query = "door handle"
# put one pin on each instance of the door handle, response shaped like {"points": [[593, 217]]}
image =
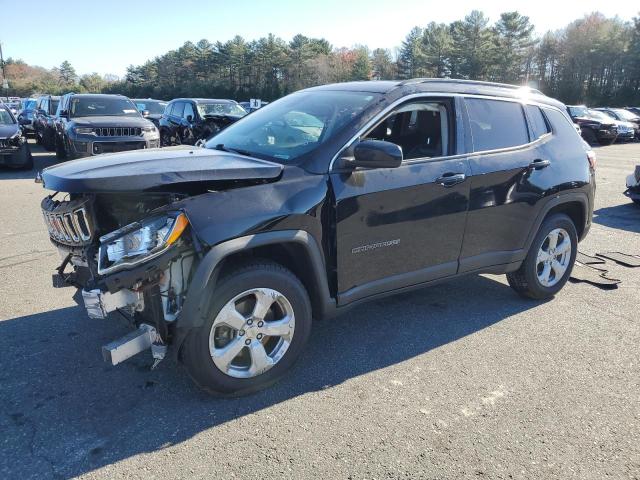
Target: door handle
{"points": [[539, 164], [450, 179]]}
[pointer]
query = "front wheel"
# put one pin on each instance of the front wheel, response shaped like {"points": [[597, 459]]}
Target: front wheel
{"points": [[61, 153], [258, 320], [606, 143], [550, 260]]}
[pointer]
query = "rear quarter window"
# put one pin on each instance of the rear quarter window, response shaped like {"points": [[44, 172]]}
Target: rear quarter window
{"points": [[496, 124], [561, 124], [539, 125]]}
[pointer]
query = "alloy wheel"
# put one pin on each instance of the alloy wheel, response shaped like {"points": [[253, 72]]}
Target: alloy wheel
{"points": [[553, 257], [251, 333]]}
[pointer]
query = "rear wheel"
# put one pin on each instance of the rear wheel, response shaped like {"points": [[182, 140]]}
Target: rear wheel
{"points": [[550, 260], [258, 320]]}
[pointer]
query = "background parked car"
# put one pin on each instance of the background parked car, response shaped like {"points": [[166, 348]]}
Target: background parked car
{"points": [[25, 117], [593, 130], [626, 130], [624, 116], [91, 124], [187, 120], [150, 109], [43, 121], [14, 149]]}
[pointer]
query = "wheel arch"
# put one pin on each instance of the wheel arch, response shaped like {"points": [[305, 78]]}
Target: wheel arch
{"points": [[294, 249], [575, 205]]}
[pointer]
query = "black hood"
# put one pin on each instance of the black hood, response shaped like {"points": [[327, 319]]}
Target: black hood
{"points": [[158, 169], [111, 120], [7, 131]]}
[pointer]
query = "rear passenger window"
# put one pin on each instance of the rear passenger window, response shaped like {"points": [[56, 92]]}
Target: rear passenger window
{"points": [[538, 123], [496, 124]]}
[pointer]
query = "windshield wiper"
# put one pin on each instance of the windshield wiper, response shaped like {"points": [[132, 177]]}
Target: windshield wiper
{"points": [[222, 148]]}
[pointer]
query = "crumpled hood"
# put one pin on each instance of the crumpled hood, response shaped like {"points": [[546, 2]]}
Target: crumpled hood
{"points": [[111, 121], [7, 131], [158, 169]]}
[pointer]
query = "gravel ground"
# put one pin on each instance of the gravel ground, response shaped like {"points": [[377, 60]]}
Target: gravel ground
{"points": [[462, 380]]}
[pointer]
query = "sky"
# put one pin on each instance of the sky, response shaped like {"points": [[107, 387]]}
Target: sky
{"points": [[106, 37]]}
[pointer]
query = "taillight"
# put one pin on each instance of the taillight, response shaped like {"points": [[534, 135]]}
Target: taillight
{"points": [[591, 156]]}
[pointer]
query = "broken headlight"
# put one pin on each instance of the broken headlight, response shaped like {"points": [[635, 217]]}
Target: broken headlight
{"points": [[140, 241]]}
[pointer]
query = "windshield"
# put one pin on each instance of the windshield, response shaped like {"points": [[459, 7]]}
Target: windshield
{"points": [[625, 115], [5, 117], [579, 111], [29, 105], [154, 108], [90, 107], [294, 125], [215, 109]]}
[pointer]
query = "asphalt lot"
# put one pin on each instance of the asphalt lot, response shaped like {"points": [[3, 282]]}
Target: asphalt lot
{"points": [[462, 380]]}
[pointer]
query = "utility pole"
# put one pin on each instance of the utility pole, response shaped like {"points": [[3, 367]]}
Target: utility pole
{"points": [[5, 83]]}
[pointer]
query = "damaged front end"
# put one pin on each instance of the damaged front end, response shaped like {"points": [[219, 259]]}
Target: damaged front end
{"points": [[126, 253], [633, 186]]}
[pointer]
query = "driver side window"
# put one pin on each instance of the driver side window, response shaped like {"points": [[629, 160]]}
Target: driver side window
{"points": [[420, 128]]}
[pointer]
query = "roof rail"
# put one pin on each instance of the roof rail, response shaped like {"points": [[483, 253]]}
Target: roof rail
{"points": [[470, 82]]}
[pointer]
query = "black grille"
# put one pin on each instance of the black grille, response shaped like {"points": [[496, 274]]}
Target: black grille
{"points": [[4, 143], [68, 222], [118, 131]]}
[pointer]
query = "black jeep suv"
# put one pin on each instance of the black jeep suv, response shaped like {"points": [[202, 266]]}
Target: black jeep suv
{"points": [[91, 124], [321, 200], [594, 129], [188, 120]]}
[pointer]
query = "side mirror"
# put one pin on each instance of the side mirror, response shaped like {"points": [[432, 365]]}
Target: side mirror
{"points": [[376, 154], [145, 113], [64, 113], [189, 118]]}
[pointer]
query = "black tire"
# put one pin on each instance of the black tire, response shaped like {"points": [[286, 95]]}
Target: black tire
{"points": [[589, 136], [164, 139], [48, 141], [606, 143], [61, 153], [257, 274], [525, 280]]}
